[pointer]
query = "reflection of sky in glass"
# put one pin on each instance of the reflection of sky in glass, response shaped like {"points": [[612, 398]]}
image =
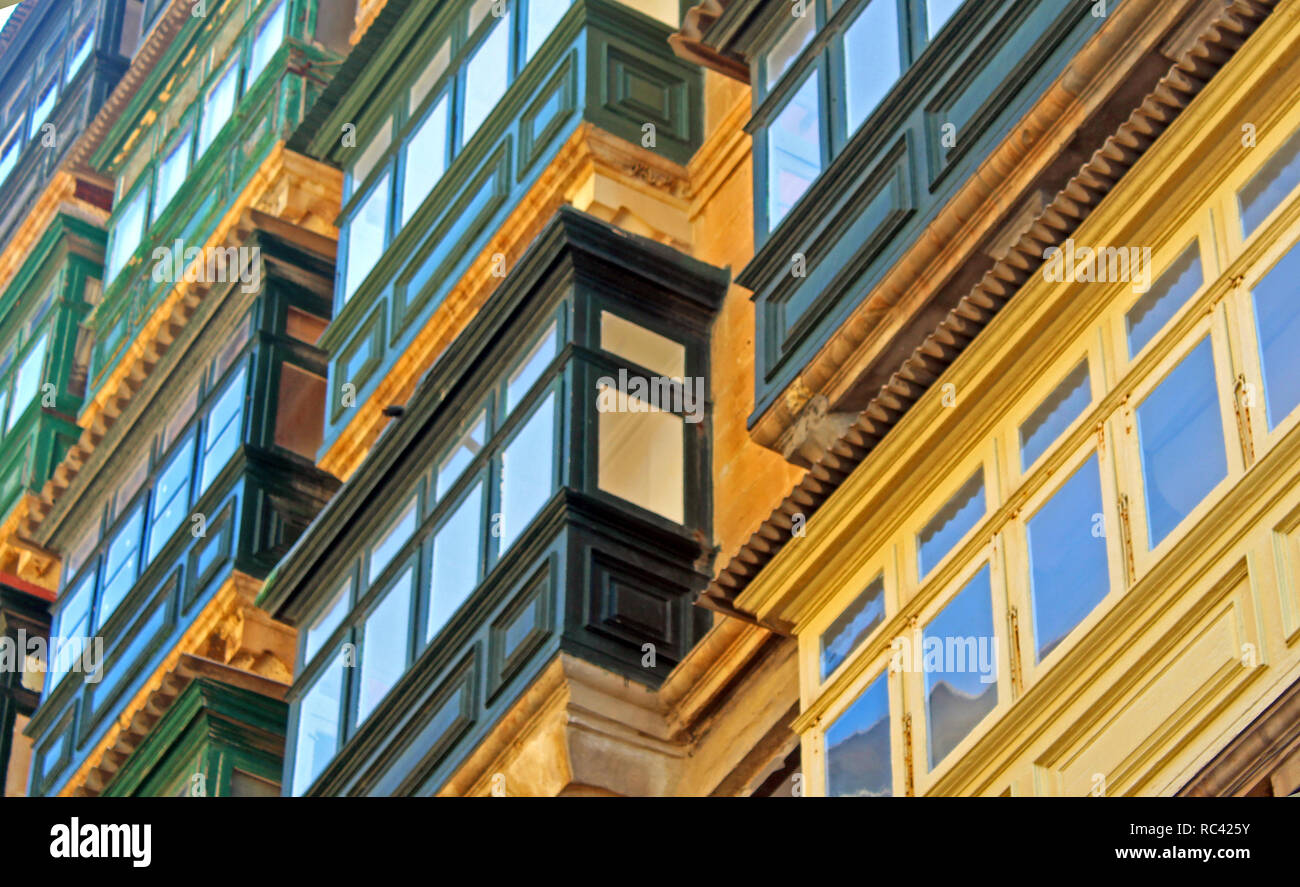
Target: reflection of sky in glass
{"points": [[456, 557], [794, 150], [1181, 440], [1268, 187], [787, 49], [871, 59], [953, 521], [1160, 303], [318, 726], [957, 696], [1067, 563], [1277, 321], [857, 747], [939, 11], [383, 646], [1062, 406], [852, 626]]}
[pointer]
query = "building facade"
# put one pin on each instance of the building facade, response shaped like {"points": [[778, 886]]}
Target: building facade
{"points": [[643, 397]]}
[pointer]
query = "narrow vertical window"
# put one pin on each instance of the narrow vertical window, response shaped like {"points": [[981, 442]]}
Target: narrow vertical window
{"points": [[872, 60], [269, 37], [1181, 440], [642, 452], [68, 640], [426, 157], [121, 564], [128, 228], [384, 645], [27, 381], [543, 16], [318, 726], [794, 150], [959, 652], [85, 43], [224, 430], [486, 77], [457, 553], [1068, 574], [858, 755], [218, 106], [366, 230], [171, 174], [464, 452], [330, 618], [526, 472], [1277, 326], [171, 499], [395, 537], [530, 369]]}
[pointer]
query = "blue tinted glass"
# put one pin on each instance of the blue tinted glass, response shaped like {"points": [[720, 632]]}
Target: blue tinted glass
{"points": [[526, 469], [798, 32], [465, 451], [1277, 323], [1269, 187], [329, 619], [318, 726], [960, 660], [394, 538], [121, 566], [224, 429], [269, 37], [953, 521], [171, 498], [1181, 439], [794, 150], [1067, 557], [486, 77], [457, 551], [1054, 415], [530, 370], [383, 645], [543, 16], [1160, 303], [426, 157], [852, 626], [365, 232], [871, 59], [857, 747]]}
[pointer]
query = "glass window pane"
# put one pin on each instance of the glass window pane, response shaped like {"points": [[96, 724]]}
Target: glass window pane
{"points": [[634, 342], [961, 666], [938, 12], [1159, 304], [9, 158], [218, 106], [330, 618], [543, 16], [318, 726], [171, 498], [858, 762], [27, 381], [1277, 324], [366, 235], [1270, 186], [1181, 440], [851, 627], [872, 63], [794, 150], [530, 369], [269, 37], [127, 231], [121, 565], [171, 174], [465, 451], [224, 430], [397, 534], [526, 472], [798, 33], [85, 43], [426, 157], [66, 642], [1068, 574], [429, 76], [384, 642], [44, 105], [1045, 424], [457, 552], [953, 521], [370, 156], [642, 454], [486, 77]]}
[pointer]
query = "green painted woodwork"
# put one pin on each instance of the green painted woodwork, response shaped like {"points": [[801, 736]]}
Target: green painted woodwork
{"points": [[173, 98], [210, 731], [45, 303], [590, 574], [253, 508], [603, 63]]}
